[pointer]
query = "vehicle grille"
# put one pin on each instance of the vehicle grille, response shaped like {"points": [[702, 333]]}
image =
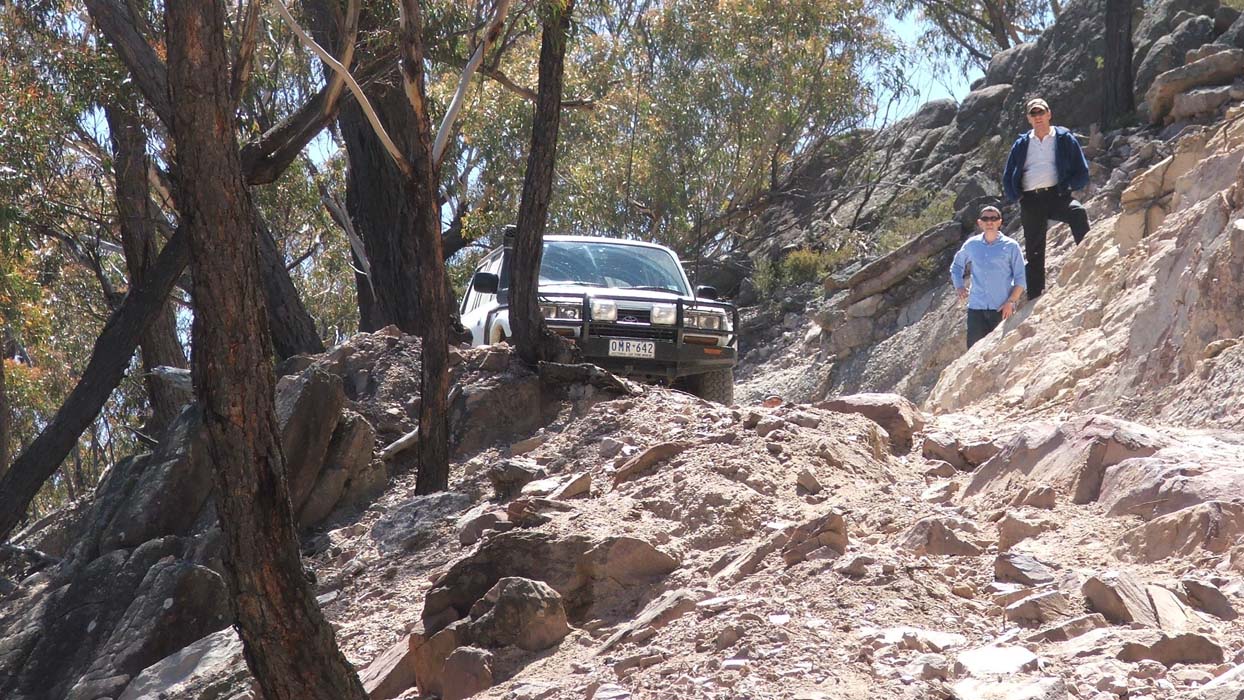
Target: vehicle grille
{"points": [[635, 315], [627, 330]]}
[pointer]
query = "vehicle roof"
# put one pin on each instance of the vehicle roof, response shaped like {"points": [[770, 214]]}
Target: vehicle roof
{"points": [[604, 239]]}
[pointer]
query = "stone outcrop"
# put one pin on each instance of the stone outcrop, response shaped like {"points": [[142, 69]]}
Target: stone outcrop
{"points": [[1072, 457], [581, 569], [941, 535], [1212, 527], [1216, 69], [454, 661]]}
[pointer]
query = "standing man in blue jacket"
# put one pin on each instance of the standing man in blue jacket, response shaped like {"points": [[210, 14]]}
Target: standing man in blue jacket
{"points": [[996, 269], [1045, 166]]}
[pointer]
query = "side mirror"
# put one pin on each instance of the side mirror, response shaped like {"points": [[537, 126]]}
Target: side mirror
{"points": [[706, 292], [485, 283]]}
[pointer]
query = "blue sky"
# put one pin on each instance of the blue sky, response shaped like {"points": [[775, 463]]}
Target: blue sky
{"points": [[929, 80]]}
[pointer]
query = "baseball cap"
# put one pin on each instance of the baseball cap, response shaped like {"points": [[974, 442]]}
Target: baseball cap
{"points": [[1036, 102]]}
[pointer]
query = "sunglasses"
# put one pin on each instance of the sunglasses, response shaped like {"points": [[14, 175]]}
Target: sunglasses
{"points": [[1036, 112], [991, 218]]}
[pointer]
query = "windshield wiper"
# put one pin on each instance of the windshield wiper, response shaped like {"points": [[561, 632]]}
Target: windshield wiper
{"points": [[572, 282]]}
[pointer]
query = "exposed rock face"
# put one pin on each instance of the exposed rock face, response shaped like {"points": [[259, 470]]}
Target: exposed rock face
{"points": [[1212, 527], [90, 633], [1159, 21], [1168, 52], [1071, 457], [1216, 69], [580, 569], [173, 484]]}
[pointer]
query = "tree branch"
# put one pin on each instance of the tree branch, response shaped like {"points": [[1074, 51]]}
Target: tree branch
{"points": [[402, 164], [244, 61], [149, 73], [464, 81]]}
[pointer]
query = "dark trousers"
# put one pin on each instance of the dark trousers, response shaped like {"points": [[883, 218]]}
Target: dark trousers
{"points": [[1037, 209], [980, 323]]}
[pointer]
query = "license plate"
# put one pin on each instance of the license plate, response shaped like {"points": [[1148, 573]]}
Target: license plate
{"points": [[644, 349]]}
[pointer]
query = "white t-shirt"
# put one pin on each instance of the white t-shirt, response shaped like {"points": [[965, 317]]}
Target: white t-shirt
{"points": [[1040, 169]]}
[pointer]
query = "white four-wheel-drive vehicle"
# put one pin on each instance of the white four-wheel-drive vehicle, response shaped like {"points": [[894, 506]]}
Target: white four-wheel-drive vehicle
{"points": [[628, 305]]}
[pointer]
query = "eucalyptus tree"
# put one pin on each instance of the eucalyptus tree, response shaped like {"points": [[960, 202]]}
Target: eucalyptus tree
{"points": [[970, 32]]}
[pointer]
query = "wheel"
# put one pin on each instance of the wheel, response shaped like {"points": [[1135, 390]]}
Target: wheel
{"points": [[717, 385]]}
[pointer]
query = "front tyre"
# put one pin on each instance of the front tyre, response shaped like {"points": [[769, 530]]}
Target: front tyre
{"points": [[717, 385]]}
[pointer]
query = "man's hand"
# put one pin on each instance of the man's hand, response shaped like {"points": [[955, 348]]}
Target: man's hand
{"points": [[963, 294], [1008, 308]]}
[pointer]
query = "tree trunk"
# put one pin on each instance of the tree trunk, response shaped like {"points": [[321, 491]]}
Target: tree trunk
{"points": [[1118, 100], [4, 415], [433, 287], [109, 359], [288, 644], [383, 215], [535, 342], [159, 342], [376, 196], [293, 329]]}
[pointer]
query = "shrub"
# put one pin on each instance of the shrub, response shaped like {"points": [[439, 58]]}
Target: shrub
{"points": [[804, 265], [899, 230], [799, 267]]}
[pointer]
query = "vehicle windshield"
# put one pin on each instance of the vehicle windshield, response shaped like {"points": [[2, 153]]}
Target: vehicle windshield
{"points": [[611, 265]]}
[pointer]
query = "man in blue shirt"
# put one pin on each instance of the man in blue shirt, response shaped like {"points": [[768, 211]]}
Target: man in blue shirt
{"points": [[1045, 166], [997, 275]]}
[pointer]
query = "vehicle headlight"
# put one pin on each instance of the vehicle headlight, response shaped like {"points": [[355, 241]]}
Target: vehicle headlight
{"points": [[708, 320], [604, 310], [562, 312], [664, 314]]}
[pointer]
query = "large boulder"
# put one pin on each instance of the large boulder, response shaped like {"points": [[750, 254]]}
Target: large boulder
{"points": [[1174, 478], [392, 673], [581, 569], [1217, 69], [1009, 63], [169, 491], [308, 407], [95, 616], [899, 417], [349, 476], [416, 521], [1168, 52], [519, 612], [176, 604], [1120, 598], [1159, 20], [941, 535], [977, 118], [212, 667]]}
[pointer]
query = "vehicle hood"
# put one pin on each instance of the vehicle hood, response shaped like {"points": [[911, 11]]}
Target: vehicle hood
{"points": [[634, 294]]}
